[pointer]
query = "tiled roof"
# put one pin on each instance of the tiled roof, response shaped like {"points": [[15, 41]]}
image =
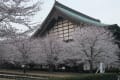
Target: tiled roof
{"points": [[77, 15], [69, 13]]}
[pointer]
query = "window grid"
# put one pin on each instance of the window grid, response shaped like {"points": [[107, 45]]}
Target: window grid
{"points": [[63, 29]]}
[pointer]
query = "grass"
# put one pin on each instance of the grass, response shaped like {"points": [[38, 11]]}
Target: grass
{"points": [[6, 79], [106, 76], [41, 73], [57, 75]]}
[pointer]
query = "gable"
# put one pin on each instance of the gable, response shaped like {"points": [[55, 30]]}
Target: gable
{"points": [[67, 13], [64, 28]]}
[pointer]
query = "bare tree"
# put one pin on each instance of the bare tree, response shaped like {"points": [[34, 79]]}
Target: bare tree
{"points": [[95, 44]]}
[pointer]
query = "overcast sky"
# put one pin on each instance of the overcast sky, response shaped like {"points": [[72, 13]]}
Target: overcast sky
{"points": [[108, 11]]}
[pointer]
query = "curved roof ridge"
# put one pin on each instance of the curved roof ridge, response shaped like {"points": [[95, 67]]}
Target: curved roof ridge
{"points": [[78, 13], [70, 14]]}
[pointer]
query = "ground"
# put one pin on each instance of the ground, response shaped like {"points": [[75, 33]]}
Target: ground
{"points": [[6, 79], [42, 73], [59, 75]]}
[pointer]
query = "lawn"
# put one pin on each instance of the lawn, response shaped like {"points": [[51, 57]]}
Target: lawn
{"points": [[42, 73], [6, 79], [61, 75]]}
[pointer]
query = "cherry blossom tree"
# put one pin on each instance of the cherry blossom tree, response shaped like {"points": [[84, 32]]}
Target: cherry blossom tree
{"points": [[69, 56], [9, 55], [51, 48], [16, 12], [95, 45], [2, 55]]}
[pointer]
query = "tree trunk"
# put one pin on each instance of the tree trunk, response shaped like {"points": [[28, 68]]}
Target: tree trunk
{"points": [[91, 66], [51, 67]]}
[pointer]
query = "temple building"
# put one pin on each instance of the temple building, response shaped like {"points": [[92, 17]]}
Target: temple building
{"points": [[62, 21]]}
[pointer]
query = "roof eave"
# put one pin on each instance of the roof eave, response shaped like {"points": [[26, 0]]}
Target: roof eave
{"points": [[67, 12], [77, 17]]}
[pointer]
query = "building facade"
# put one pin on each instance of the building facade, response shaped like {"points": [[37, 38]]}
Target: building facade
{"points": [[62, 21]]}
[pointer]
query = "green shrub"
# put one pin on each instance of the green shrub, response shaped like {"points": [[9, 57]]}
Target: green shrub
{"points": [[90, 77], [112, 70]]}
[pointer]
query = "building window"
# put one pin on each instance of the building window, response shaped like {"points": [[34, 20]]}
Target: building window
{"points": [[63, 29]]}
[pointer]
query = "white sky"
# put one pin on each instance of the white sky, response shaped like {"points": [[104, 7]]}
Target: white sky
{"points": [[108, 11]]}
